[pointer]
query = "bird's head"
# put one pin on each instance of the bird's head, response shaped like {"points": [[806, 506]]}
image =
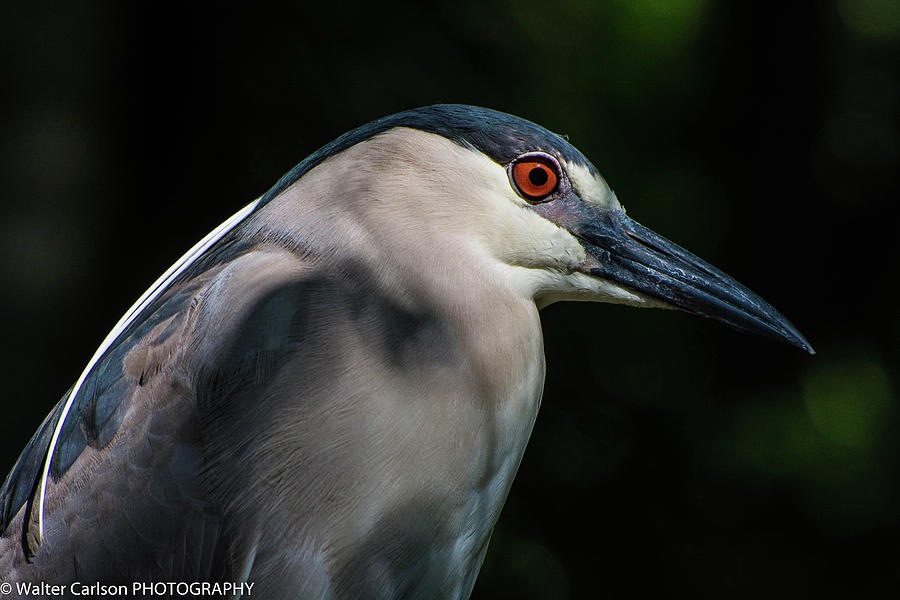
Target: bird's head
{"points": [[532, 202]]}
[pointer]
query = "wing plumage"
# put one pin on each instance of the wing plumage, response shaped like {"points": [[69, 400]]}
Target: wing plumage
{"points": [[92, 410], [134, 478]]}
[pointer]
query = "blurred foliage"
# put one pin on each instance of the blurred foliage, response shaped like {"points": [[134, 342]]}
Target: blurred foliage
{"points": [[829, 439], [670, 454], [875, 20]]}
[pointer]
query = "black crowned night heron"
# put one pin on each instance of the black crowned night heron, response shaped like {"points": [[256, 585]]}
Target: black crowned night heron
{"points": [[329, 396]]}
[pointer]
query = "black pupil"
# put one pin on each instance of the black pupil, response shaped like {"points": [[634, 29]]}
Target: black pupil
{"points": [[538, 176]]}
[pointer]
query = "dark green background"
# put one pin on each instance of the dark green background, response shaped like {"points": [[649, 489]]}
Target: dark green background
{"points": [[671, 454]]}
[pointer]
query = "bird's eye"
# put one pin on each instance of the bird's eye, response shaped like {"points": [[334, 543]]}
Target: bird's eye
{"points": [[535, 177]]}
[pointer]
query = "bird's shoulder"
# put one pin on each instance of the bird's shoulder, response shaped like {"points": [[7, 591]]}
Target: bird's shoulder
{"points": [[152, 363]]}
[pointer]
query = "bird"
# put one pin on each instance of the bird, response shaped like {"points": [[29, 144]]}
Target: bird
{"points": [[330, 394]]}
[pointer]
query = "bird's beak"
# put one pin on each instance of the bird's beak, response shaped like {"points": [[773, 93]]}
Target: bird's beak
{"points": [[629, 254]]}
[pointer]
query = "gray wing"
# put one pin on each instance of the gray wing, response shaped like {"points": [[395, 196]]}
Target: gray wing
{"points": [[97, 411], [125, 500], [123, 490]]}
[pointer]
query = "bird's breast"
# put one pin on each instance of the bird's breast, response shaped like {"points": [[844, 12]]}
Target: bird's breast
{"points": [[484, 437], [490, 484], [394, 425]]}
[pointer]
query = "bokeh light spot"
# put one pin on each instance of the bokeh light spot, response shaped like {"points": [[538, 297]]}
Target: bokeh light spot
{"points": [[848, 401], [877, 20]]}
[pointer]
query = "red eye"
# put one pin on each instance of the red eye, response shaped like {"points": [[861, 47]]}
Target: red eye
{"points": [[534, 179]]}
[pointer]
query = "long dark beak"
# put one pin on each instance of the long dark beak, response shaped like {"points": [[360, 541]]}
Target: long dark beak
{"points": [[628, 253]]}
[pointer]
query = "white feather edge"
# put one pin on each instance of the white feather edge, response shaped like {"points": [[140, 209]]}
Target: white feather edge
{"points": [[127, 319]]}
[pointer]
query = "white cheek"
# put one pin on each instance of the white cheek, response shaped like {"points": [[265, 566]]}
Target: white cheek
{"points": [[540, 244], [567, 250]]}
